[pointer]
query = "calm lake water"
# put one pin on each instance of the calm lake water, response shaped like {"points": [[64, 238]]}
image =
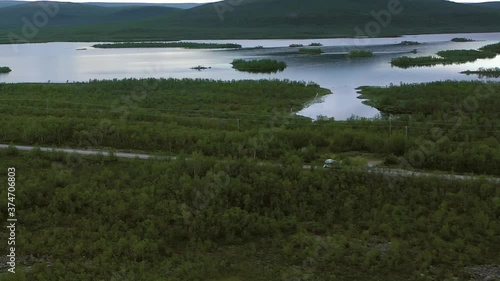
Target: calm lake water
{"points": [[62, 62]]}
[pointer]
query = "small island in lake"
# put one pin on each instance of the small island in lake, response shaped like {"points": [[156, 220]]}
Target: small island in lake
{"points": [[460, 39], [200, 67], [485, 72], [5, 69], [360, 54], [409, 43], [259, 66], [448, 57]]}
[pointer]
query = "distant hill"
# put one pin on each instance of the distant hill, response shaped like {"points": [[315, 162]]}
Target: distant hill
{"points": [[168, 5], [4, 4], [338, 12], [302, 18], [257, 19], [494, 5], [72, 14]]}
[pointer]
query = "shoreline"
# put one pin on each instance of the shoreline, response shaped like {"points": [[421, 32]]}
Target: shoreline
{"points": [[245, 38]]}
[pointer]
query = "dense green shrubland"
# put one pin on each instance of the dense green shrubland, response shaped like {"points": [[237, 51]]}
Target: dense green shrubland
{"points": [[462, 122], [99, 218], [252, 119], [238, 204]]}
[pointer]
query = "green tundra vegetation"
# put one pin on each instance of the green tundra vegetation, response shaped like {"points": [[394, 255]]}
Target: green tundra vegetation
{"points": [[445, 57], [206, 218], [492, 48], [5, 69], [462, 118], [259, 66], [461, 39], [484, 72], [186, 45], [237, 203], [360, 54], [311, 51], [255, 119]]}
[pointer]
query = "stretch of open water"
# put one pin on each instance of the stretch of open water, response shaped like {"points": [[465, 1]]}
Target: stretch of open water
{"points": [[62, 62]]}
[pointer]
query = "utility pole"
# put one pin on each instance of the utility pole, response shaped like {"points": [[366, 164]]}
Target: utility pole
{"points": [[406, 141], [390, 124]]}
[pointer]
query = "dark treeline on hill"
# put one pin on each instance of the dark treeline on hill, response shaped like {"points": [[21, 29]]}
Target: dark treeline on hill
{"points": [[255, 119], [255, 19], [101, 218]]}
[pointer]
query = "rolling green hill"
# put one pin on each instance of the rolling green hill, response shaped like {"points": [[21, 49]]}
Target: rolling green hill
{"points": [[494, 5], [73, 14], [337, 17], [4, 4], [264, 19], [169, 5]]}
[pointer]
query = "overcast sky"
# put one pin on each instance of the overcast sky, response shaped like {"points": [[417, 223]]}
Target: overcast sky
{"points": [[195, 1]]}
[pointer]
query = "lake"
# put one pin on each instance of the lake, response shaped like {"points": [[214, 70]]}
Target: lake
{"points": [[63, 62]]}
